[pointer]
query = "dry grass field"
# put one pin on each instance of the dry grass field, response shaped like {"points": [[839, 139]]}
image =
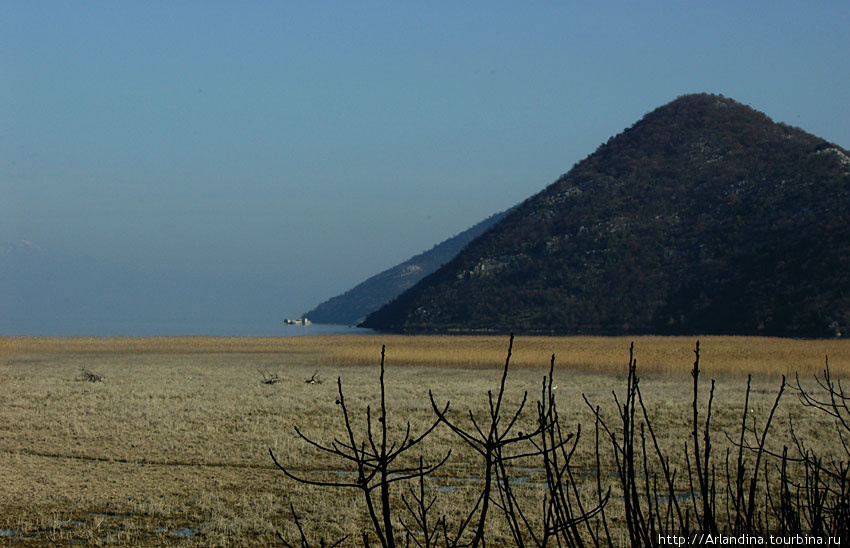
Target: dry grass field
{"points": [[171, 447]]}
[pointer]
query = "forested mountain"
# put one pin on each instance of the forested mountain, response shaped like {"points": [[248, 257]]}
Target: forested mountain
{"points": [[355, 304], [703, 217]]}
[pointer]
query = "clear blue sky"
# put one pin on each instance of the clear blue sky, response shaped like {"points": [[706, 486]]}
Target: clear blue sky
{"points": [[316, 143]]}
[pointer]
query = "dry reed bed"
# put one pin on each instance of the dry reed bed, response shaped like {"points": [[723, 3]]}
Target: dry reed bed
{"points": [[176, 436], [668, 355]]}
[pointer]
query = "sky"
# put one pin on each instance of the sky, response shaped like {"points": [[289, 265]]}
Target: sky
{"points": [[300, 147]]}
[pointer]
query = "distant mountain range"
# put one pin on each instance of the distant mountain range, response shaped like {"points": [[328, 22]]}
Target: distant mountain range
{"points": [[703, 217], [354, 305]]}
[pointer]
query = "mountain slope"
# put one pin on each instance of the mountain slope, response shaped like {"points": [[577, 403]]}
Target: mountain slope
{"points": [[355, 304], [703, 217]]}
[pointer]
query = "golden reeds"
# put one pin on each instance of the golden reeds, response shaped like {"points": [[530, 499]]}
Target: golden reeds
{"points": [[177, 434]]}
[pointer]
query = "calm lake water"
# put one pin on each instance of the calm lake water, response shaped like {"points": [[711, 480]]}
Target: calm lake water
{"points": [[324, 329], [178, 328]]}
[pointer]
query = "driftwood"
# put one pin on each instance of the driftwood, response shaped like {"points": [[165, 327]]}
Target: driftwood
{"points": [[86, 375], [269, 377]]}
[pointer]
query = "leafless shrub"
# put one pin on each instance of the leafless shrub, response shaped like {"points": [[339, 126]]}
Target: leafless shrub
{"points": [[88, 376], [764, 492], [831, 399], [304, 541], [269, 377], [825, 488], [372, 457], [498, 444]]}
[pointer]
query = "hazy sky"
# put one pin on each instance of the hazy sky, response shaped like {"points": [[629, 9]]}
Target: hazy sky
{"points": [[317, 143]]}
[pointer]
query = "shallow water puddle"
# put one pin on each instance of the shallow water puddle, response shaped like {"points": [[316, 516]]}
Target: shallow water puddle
{"points": [[180, 532], [108, 515]]}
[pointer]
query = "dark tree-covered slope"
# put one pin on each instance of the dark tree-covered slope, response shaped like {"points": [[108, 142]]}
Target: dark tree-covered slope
{"points": [[703, 217], [355, 304]]}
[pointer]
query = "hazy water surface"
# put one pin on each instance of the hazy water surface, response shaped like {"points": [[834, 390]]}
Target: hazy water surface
{"points": [[177, 328]]}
